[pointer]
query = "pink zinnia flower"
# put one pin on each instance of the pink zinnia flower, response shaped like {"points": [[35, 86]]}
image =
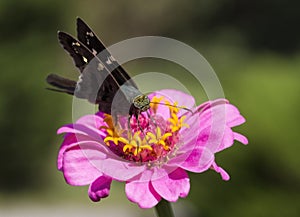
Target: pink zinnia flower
{"points": [[153, 155]]}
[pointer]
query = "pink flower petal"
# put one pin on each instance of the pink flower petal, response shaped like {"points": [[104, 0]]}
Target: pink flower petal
{"points": [[213, 103], [203, 106], [214, 114], [173, 185], [221, 111], [233, 116], [69, 140], [225, 176], [78, 163], [173, 96], [198, 160], [211, 138], [121, 170], [68, 128], [81, 129], [239, 137], [182, 98], [72, 140], [142, 192], [86, 125], [190, 134], [99, 188], [227, 140], [93, 121], [218, 141]]}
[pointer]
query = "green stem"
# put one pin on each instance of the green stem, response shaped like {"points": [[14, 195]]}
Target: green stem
{"points": [[164, 209]]}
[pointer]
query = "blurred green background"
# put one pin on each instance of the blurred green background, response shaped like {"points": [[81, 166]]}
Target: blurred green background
{"points": [[254, 47]]}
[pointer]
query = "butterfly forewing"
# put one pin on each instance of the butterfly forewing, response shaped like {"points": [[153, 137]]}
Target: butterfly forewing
{"points": [[89, 39], [80, 54], [96, 83], [102, 80]]}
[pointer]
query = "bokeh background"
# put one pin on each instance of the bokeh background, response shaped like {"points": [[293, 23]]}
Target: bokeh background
{"points": [[254, 47]]}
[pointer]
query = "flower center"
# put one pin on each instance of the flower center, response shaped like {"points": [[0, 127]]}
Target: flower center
{"points": [[148, 138]]}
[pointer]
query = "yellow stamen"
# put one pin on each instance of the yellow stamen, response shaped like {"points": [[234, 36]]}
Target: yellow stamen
{"points": [[158, 138], [166, 135], [154, 105], [136, 144], [112, 133], [146, 146], [172, 108], [176, 123]]}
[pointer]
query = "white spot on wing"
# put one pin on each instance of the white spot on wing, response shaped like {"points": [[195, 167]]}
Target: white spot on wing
{"points": [[94, 51], [78, 83], [112, 58], [90, 34], [108, 61], [84, 59], [76, 44], [100, 67], [79, 79]]}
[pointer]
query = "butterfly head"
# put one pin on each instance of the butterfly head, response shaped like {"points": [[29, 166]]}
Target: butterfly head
{"points": [[141, 102]]}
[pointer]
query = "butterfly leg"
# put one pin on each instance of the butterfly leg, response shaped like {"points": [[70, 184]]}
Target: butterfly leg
{"points": [[141, 129], [116, 122], [129, 134], [152, 119]]}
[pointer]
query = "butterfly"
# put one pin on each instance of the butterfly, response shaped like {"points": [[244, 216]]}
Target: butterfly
{"points": [[102, 80]]}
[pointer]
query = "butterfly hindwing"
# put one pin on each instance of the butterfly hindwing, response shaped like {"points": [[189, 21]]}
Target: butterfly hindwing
{"points": [[62, 84]]}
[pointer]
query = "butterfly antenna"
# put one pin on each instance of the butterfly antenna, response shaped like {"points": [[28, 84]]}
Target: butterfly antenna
{"points": [[181, 107]]}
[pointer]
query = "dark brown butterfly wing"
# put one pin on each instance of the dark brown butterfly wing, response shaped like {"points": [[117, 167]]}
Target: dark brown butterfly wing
{"points": [[90, 40], [63, 84], [95, 82], [101, 76], [79, 52]]}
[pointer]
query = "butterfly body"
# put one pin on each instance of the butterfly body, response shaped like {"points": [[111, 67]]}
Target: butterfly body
{"points": [[102, 80]]}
